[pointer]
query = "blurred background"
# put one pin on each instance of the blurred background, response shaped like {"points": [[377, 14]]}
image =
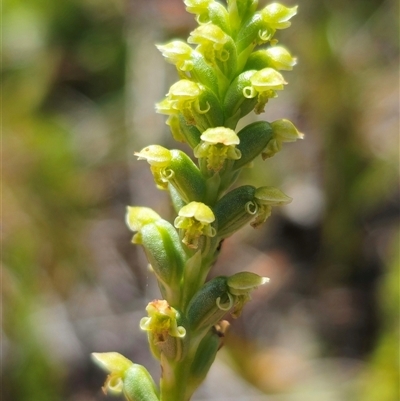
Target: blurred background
{"points": [[80, 79]]}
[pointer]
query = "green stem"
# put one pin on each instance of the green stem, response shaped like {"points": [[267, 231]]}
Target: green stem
{"points": [[172, 383], [175, 376]]}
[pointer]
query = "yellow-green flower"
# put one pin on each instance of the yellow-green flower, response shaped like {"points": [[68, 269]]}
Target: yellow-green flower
{"points": [[280, 58], [137, 217], [266, 197], [264, 84], [211, 40], [240, 286], [197, 6], [217, 145], [183, 97], [195, 220], [209, 11], [126, 377], [282, 131], [178, 53], [276, 57], [162, 321], [116, 364], [277, 16], [159, 158]]}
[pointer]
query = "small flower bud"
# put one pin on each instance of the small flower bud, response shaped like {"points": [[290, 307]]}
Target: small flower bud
{"points": [[195, 220], [162, 246], [217, 145]]}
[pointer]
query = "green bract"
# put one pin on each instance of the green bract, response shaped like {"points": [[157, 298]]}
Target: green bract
{"points": [[139, 385], [223, 75], [165, 255], [254, 138]]}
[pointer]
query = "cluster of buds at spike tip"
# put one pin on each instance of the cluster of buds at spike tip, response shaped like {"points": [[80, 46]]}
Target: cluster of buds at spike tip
{"points": [[223, 75]]}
